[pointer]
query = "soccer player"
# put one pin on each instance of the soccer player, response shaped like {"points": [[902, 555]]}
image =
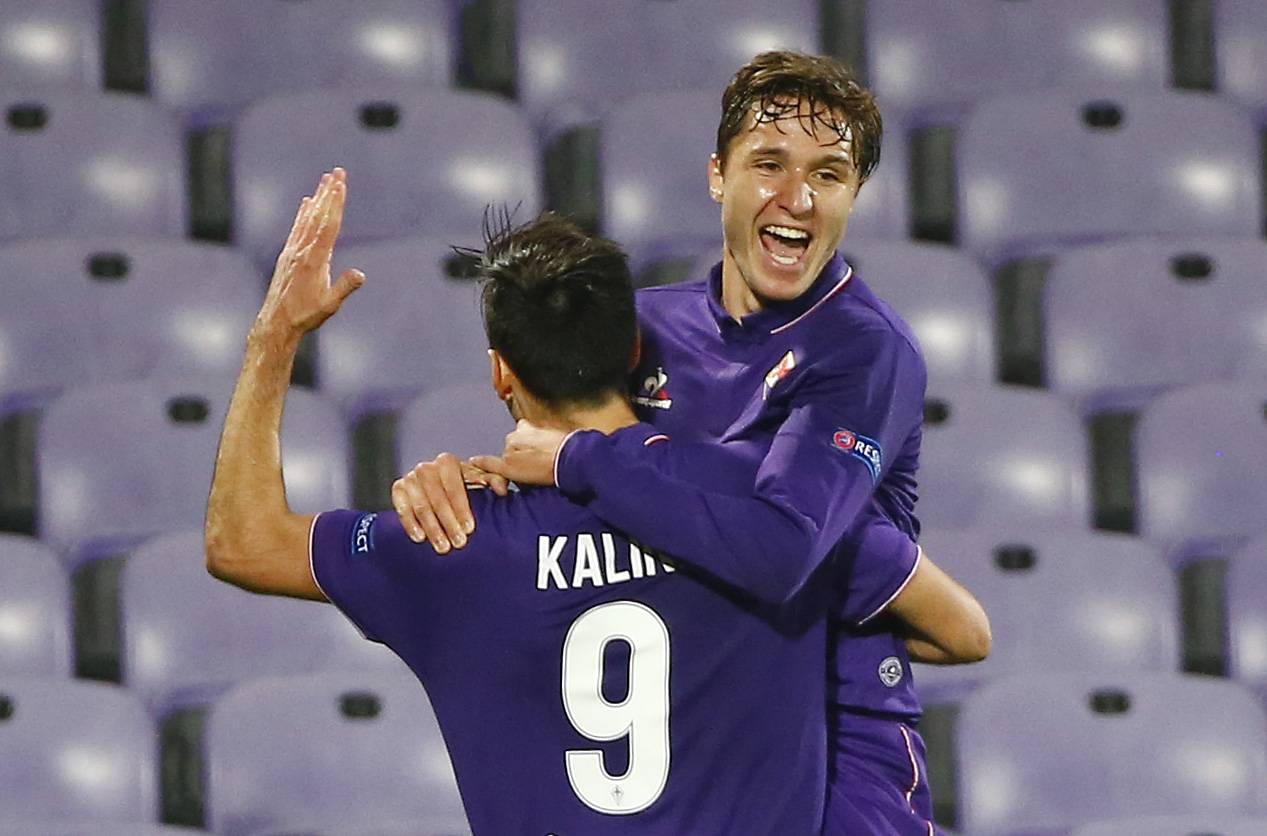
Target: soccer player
{"points": [[784, 356], [583, 685]]}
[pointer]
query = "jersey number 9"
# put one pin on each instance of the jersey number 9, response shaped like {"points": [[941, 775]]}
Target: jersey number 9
{"points": [[643, 715]]}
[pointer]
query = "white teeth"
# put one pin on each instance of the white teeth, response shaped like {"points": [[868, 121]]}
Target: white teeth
{"points": [[786, 262], [786, 232]]}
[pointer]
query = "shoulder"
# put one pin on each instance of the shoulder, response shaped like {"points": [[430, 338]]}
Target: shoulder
{"points": [[862, 324], [670, 295]]}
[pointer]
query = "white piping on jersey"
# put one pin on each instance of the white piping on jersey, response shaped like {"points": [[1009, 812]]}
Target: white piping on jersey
{"points": [[919, 555], [312, 568], [910, 751], [653, 439], [843, 281], [559, 453]]}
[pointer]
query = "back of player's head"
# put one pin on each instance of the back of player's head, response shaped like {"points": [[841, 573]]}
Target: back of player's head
{"points": [[782, 84], [559, 307]]}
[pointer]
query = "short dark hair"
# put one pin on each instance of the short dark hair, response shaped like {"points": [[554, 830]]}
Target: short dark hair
{"points": [[558, 305], [774, 86]]}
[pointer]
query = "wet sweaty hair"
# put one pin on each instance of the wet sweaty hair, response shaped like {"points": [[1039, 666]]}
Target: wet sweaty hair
{"points": [[558, 305], [816, 89]]}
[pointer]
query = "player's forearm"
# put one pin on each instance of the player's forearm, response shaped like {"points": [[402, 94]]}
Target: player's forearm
{"points": [[922, 650], [248, 519], [759, 546]]}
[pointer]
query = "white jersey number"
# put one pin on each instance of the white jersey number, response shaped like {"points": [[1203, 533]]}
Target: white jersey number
{"points": [[643, 716]]}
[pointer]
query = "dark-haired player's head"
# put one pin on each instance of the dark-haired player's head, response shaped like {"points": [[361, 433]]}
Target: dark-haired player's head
{"points": [[797, 139], [558, 307]]}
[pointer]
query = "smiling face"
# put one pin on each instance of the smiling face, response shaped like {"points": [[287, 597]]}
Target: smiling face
{"points": [[786, 186]]}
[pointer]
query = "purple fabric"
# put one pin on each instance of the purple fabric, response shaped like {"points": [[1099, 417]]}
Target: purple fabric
{"points": [[882, 762], [484, 630]]}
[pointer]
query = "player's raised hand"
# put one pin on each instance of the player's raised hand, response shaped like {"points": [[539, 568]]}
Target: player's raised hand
{"points": [[529, 455], [300, 296]]}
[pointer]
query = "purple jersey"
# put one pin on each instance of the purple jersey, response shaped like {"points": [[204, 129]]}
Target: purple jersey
{"points": [[582, 685], [826, 394]]}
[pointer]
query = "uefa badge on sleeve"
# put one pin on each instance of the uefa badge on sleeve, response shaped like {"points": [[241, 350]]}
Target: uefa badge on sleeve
{"points": [[867, 450]]}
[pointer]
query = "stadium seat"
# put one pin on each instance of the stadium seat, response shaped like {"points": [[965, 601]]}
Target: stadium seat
{"points": [[1058, 600], [75, 750], [655, 190], [440, 824], [943, 296], [463, 418], [120, 462], [1001, 453], [328, 747], [146, 306], [189, 637], [34, 610], [1127, 320], [1241, 52], [1047, 752], [96, 828], [940, 56], [1202, 469], [1246, 585], [415, 325], [90, 164], [1037, 172], [479, 151], [211, 59], [570, 69], [53, 43], [1211, 824]]}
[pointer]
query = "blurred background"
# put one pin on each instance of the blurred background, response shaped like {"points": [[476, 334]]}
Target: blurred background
{"points": [[1069, 213]]}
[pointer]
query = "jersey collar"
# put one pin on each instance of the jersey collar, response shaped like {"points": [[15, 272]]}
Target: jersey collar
{"points": [[777, 316]]}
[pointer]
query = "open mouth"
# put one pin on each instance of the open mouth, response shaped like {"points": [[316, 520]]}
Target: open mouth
{"points": [[785, 244]]}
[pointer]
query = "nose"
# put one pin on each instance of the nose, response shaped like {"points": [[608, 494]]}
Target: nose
{"points": [[796, 197]]}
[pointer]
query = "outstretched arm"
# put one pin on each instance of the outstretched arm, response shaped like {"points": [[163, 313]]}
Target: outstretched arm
{"points": [[253, 540]]}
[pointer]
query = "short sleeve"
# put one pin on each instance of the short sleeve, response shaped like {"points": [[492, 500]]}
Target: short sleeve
{"points": [[874, 563]]}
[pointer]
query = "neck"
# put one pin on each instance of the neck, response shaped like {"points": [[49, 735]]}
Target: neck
{"points": [[613, 414], [736, 297]]}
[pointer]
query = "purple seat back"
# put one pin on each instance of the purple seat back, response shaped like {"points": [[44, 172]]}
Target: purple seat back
{"points": [[1178, 825], [149, 306], [414, 326], [1241, 52], [1247, 615], [1058, 600], [120, 462], [569, 72], [1201, 459], [325, 748], [188, 637], [211, 59], [91, 163], [1001, 453], [75, 750], [35, 609], [942, 294], [53, 43], [479, 151], [939, 56], [463, 418], [1018, 155], [1054, 751], [97, 828], [1197, 313]]}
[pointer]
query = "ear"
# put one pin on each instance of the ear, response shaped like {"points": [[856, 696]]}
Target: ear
{"points": [[715, 181], [502, 375]]}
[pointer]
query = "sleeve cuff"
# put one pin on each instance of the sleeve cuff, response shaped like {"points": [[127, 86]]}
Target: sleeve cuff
{"points": [[570, 460]]}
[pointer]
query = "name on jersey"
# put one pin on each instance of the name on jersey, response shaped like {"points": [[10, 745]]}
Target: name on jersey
{"points": [[564, 562], [867, 450]]}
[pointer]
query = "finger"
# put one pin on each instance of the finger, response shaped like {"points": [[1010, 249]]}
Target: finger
{"points": [[332, 220], [454, 485], [405, 510], [433, 502], [500, 485], [348, 283], [493, 465]]}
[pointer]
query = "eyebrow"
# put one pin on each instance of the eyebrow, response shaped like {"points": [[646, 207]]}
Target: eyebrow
{"points": [[829, 158]]}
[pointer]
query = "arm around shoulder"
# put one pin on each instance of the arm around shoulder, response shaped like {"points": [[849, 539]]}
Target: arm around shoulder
{"points": [[947, 624]]}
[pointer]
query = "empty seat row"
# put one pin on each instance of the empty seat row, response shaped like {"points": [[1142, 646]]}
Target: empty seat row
{"points": [[209, 60], [323, 753]]}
